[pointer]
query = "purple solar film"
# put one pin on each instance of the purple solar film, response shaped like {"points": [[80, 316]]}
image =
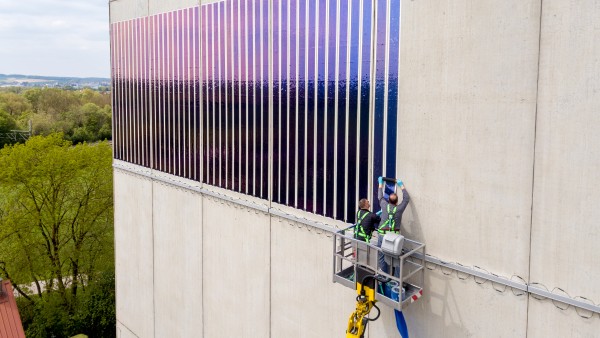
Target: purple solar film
{"points": [[277, 126], [236, 99], [329, 173], [200, 77], [205, 90], [264, 180], [301, 116], [292, 104], [284, 104], [244, 102], [342, 113], [319, 111], [394, 60], [380, 87], [353, 90], [365, 88]]}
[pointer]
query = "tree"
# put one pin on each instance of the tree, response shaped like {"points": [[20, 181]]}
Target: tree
{"points": [[90, 123], [33, 96], [94, 313], [7, 122], [56, 101], [56, 217], [14, 104]]}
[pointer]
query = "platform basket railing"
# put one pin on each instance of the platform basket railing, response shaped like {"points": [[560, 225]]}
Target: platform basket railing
{"points": [[408, 270]]}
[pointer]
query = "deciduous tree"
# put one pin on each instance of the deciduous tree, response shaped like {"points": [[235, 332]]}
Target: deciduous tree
{"points": [[56, 215]]}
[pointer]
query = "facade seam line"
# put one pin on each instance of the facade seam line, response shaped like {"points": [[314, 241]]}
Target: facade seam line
{"points": [[537, 91]]}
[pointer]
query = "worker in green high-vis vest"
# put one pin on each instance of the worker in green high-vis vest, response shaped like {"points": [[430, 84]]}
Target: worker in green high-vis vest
{"points": [[366, 221], [391, 215]]}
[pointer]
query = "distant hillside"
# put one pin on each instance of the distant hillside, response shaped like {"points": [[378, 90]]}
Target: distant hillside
{"points": [[51, 81]]}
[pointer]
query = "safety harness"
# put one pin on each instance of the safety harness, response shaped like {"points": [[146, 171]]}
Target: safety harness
{"points": [[359, 231], [389, 223]]}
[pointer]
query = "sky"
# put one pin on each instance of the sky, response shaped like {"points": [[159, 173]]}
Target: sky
{"points": [[55, 38]]}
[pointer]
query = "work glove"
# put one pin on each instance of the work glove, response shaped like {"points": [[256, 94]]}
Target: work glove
{"points": [[399, 182], [380, 180]]}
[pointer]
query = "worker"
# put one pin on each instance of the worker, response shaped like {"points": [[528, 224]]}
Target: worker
{"points": [[391, 215], [366, 221]]}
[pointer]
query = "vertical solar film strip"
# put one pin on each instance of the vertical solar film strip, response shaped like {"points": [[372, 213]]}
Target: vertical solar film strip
{"points": [[115, 78], [385, 91]]}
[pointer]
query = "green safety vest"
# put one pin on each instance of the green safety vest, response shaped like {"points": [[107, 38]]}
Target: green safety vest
{"points": [[390, 222], [359, 231]]}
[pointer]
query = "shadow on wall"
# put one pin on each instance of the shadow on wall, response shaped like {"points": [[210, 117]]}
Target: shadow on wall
{"points": [[435, 313], [412, 225]]}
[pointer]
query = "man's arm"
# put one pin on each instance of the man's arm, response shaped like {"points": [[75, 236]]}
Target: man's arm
{"points": [[401, 207], [405, 200]]}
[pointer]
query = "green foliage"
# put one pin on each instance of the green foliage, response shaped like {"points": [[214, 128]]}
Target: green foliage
{"points": [[14, 104], [56, 231], [90, 123], [7, 123], [82, 115], [94, 313], [45, 317]]}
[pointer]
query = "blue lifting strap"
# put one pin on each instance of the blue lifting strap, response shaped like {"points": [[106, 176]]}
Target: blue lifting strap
{"points": [[401, 324]]}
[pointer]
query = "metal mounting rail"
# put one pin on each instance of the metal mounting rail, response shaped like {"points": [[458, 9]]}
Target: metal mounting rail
{"points": [[567, 300], [528, 288], [475, 273]]}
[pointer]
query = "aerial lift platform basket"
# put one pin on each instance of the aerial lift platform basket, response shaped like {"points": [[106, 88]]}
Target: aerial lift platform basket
{"points": [[350, 253]]}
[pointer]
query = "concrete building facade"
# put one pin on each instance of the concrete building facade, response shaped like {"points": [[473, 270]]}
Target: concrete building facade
{"points": [[245, 132]]}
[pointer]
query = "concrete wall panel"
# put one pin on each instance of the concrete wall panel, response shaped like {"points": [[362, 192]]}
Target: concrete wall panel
{"points": [[177, 261], [236, 270], [452, 307], [134, 252], [121, 10], [466, 128], [565, 233], [545, 320], [161, 6], [304, 301]]}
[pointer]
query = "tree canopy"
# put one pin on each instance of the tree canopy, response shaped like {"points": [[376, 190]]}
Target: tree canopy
{"points": [[82, 115], [56, 222]]}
